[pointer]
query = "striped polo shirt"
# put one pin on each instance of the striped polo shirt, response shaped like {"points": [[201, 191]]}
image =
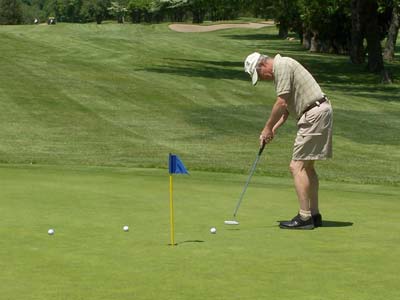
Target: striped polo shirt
{"points": [[292, 78]]}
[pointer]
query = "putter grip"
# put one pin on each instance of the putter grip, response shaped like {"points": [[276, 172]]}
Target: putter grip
{"points": [[261, 149]]}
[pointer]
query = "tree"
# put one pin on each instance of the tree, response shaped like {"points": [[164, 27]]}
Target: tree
{"points": [[10, 12], [357, 51], [287, 16], [53, 8], [327, 25], [388, 53], [94, 10], [259, 8], [365, 25], [160, 10], [118, 10], [72, 10], [374, 48], [137, 9], [199, 9]]}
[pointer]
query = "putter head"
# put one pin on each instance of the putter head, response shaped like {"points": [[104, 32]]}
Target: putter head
{"points": [[232, 222]]}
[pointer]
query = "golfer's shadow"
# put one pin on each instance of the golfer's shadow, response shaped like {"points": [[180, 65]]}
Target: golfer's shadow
{"points": [[336, 224], [328, 224]]}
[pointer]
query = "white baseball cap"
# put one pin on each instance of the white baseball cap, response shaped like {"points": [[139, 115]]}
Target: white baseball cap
{"points": [[250, 65]]}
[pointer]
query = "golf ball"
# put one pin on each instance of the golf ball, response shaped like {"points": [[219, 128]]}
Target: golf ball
{"points": [[126, 228], [50, 231], [213, 230]]}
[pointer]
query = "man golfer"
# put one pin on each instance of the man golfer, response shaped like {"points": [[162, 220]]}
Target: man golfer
{"points": [[299, 95]]}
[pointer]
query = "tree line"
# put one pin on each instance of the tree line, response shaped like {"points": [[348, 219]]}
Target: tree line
{"points": [[349, 27], [136, 11], [353, 27]]}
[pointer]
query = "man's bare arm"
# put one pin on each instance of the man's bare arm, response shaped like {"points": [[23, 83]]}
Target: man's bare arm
{"points": [[279, 110]]}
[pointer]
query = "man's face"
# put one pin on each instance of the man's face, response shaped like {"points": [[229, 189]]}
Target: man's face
{"points": [[264, 71]]}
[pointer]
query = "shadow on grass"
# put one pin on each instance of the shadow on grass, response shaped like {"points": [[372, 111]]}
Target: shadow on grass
{"points": [[222, 63], [333, 70], [329, 224], [269, 44], [254, 37], [386, 93], [201, 68], [324, 67], [190, 241], [338, 70], [372, 128], [336, 224], [227, 120]]}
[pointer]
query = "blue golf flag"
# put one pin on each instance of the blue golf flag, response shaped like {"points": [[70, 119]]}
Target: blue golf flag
{"points": [[176, 166]]}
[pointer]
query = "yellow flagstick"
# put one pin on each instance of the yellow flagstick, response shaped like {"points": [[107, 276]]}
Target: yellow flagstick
{"points": [[171, 210]]}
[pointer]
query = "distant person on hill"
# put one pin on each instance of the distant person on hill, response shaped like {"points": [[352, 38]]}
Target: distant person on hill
{"points": [[299, 95]]}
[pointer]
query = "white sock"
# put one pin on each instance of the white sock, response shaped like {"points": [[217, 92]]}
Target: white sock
{"points": [[305, 214]]}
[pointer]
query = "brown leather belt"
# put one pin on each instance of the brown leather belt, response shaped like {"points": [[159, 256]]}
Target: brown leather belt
{"points": [[316, 103]]}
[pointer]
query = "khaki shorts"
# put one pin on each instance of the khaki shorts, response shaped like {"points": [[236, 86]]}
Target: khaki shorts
{"points": [[314, 135]]}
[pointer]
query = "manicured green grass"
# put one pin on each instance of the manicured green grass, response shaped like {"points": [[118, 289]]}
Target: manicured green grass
{"points": [[355, 256], [89, 115], [127, 95]]}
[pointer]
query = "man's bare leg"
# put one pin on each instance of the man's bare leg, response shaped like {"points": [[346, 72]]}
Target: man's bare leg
{"points": [[312, 175], [306, 184]]}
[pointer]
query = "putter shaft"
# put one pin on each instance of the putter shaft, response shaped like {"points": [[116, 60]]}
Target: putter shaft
{"points": [[248, 180]]}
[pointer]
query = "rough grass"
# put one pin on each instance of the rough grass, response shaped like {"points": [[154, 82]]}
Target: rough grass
{"points": [[128, 95]]}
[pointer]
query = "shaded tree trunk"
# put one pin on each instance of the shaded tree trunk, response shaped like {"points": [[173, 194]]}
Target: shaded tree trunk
{"points": [[306, 42], [388, 53], [136, 15], [327, 46], [374, 48], [365, 24], [99, 19], [315, 42], [147, 16], [198, 15], [357, 52], [283, 31]]}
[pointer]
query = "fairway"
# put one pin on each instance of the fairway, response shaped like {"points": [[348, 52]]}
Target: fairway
{"points": [[354, 256], [112, 95]]}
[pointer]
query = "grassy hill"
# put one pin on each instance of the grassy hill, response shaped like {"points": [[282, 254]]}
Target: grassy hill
{"points": [[127, 95]]}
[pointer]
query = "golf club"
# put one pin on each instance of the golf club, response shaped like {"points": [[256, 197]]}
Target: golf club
{"points": [[234, 221]]}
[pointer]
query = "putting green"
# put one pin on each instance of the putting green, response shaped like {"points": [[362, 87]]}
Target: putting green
{"points": [[355, 256]]}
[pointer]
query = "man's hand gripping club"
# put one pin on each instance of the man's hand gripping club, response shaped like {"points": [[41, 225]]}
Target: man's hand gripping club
{"points": [[279, 115]]}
